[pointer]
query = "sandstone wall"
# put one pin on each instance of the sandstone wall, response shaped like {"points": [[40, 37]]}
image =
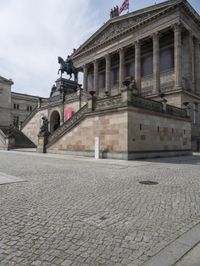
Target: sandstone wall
{"points": [[32, 128], [152, 132], [111, 128]]}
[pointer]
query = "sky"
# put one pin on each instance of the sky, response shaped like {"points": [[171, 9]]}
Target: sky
{"points": [[33, 33]]}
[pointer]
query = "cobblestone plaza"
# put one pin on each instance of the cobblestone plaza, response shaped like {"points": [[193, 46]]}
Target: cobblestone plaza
{"points": [[64, 210]]}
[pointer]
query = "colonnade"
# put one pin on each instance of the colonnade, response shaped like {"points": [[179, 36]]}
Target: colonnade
{"points": [[156, 64]]}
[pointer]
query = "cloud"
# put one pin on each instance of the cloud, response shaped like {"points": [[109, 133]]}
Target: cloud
{"points": [[34, 33]]}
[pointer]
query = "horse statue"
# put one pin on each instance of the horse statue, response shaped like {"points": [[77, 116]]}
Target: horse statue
{"points": [[68, 67]]}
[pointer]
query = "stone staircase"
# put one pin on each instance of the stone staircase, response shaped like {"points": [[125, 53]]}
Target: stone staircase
{"points": [[29, 117], [20, 140], [68, 125]]}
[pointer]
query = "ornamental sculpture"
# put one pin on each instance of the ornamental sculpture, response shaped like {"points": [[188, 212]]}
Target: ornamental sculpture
{"points": [[68, 67]]}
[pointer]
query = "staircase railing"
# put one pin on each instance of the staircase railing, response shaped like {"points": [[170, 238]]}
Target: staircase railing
{"points": [[29, 117], [68, 125]]}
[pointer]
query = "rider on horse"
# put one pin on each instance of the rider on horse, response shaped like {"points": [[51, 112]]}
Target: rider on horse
{"points": [[67, 66]]}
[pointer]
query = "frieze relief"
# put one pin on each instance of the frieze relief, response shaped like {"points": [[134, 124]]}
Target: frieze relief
{"points": [[117, 28]]}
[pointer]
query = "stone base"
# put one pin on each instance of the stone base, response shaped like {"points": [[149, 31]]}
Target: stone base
{"points": [[42, 141], [66, 85], [125, 155]]}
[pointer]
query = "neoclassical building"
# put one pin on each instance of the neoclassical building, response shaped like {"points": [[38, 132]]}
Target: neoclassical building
{"points": [[157, 46], [14, 107]]}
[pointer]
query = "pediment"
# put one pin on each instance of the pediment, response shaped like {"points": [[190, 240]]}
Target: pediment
{"points": [[119, 25]]}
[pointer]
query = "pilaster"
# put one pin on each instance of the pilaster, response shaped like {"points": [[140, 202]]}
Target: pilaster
{"points": [[191, 52], [121, 66], [177, 55], [108, 76], [85, 78], [156, 62], [197, 66], [96, 76], [138, 66]]}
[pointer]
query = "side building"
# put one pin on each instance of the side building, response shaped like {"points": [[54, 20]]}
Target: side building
{"points": [[21, 106], [5, 101], [14, 107]]}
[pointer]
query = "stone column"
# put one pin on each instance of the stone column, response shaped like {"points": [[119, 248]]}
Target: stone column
{"points": [[138, 66], [156, 63], [121, 67], [96, 76], [177, 56], [108, 76], [85, 78], [191, 52]]}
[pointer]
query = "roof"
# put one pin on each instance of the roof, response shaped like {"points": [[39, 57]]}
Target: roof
{"points": [[5, 80], [25, 95], [117, 26]]}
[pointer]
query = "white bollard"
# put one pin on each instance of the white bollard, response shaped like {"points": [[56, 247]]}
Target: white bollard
{"points": [[97, 148]]}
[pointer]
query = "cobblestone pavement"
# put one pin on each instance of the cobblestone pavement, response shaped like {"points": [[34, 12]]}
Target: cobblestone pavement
{"points": [[84, 212]]}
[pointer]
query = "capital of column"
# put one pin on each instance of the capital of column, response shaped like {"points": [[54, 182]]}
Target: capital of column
{"points": [[121, 50], [156, 36], [85, 68], [137, 44], [177, 27], [107, 57], [95, 62]]}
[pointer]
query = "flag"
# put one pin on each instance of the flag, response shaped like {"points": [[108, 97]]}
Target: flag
{"points": [[124, 6]]}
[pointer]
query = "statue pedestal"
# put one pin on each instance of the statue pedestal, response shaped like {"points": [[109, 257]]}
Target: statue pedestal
{"points": [[67, 86], [42, 142], [62, 88], [126, 94], [10, 142]]}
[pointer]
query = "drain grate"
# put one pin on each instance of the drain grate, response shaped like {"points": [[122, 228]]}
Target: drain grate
{"points": [[148, 183], [103, 218]]}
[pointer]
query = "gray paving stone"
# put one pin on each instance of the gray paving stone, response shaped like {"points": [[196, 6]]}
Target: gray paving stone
{"points": [[85, 212]]}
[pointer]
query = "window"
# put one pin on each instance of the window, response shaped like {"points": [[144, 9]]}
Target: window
{"points": [[90, 82], [147, 65], [29, 108], [101, 81], [16, 106], [130, 70], [167, 59], [195, 113], [1, 91], [114, 76]]}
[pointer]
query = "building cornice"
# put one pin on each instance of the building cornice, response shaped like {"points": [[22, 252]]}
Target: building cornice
{"points": [[5, 80], [176, 4]]}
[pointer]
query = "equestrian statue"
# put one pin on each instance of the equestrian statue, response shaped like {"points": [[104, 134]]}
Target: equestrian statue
{"points": [[68, 67]]}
